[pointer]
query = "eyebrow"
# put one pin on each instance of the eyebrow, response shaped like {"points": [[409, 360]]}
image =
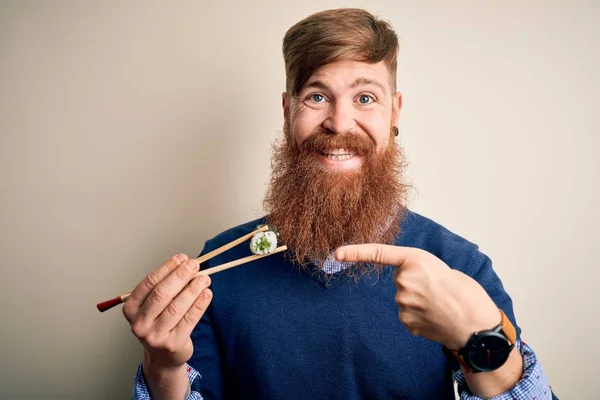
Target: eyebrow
{"points": [[316, 85], [360, 81], [363, 81]]}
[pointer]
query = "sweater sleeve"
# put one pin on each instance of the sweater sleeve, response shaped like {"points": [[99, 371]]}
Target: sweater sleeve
{"points": [[533, 384], [206, 358], [140, 388]]}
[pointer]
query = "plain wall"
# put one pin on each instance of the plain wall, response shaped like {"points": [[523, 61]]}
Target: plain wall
{"points": [[133, 130]]}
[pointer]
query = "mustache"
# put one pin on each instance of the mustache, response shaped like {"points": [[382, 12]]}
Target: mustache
{"points": [[321, 141]]}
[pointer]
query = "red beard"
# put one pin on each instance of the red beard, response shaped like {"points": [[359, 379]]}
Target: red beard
{"points": [[317, 209]]}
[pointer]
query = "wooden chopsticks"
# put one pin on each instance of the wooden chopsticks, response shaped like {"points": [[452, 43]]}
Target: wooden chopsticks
{"points": [[108, 304]]}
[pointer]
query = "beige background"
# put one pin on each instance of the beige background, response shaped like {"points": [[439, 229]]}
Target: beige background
{"points": [[133, 130]]}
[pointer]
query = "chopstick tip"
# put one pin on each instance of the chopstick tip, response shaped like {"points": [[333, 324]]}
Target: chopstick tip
{"points": [[108, 304]]}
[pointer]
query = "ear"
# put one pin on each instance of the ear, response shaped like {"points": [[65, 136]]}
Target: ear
{"points": [[396, 107], [285, 104]]}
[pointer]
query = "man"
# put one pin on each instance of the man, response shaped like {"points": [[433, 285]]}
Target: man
{"points": [[372, 301]]}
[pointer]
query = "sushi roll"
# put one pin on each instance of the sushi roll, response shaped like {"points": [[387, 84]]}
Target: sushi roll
{"points": [[264, 242]]}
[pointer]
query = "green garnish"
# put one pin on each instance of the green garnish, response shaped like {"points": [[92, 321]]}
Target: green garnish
{"points": [[263, 244]]}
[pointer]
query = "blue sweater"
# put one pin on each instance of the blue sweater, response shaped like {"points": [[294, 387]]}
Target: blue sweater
{"points": [[273, 331]]}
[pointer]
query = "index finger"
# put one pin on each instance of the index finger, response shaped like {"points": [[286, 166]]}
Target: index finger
{"points": [[373, 253], [143, 289]]}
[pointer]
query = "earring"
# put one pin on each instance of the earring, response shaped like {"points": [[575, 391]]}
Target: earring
{"points": [[396, 132]]}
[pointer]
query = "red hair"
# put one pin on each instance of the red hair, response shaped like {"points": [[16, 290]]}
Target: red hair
{"points": [[334, 35]]}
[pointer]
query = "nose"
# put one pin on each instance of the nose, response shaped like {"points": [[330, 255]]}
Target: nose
{"points": [[340, 118]]}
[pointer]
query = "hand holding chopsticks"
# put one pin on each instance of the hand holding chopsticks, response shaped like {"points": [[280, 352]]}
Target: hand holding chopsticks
{"points": [[108, 304]]}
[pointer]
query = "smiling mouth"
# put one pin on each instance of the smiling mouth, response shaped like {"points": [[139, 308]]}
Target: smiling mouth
{"points": [[337, 154]]}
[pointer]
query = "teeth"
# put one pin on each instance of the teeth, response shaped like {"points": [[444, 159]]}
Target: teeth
{"points": [[338, 157], [338, 154]]}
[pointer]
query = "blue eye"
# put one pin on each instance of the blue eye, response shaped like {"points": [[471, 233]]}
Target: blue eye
{"points": [[317, 97], [364, 99]]}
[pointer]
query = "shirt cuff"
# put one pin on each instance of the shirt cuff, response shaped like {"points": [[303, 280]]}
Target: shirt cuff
{"points": [[140, 389], [533, 383]]}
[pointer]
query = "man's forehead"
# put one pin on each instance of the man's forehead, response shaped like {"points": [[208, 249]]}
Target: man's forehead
{"points": [[351, 74]]}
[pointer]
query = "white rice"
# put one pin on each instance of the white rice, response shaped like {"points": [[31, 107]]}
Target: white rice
{"points": [[255, 242]]}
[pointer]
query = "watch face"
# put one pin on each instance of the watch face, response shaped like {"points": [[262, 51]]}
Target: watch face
{"points": [[489, 351]]}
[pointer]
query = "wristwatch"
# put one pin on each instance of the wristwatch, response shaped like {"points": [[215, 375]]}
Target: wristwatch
{"points": [[486, 350]]}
